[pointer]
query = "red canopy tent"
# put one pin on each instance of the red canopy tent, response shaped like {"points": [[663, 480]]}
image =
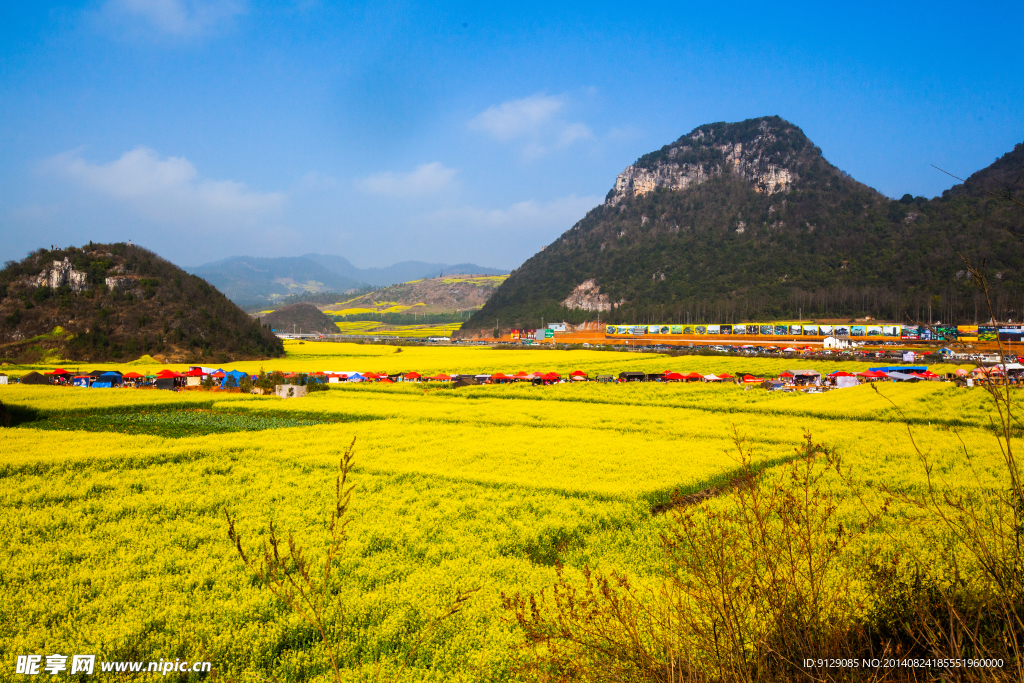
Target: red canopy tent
{"points": [[550, 377], [673, 377], [195, 372], [927, 374], [413, 375], [786, 374], [58, 371], [750, 379], [499, 375], [841, 373], [693, 376], [135, 375], [872, 374], [441, 378], [371, 375], [218, 375], [520, 375], [387, 380], [725, 375], [168, 374], [577, 373]]}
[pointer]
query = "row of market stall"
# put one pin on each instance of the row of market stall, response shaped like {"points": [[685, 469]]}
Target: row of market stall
{"points": [[201, 376], [105, 379]]}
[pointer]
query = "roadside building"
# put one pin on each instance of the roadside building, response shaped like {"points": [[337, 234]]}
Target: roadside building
{"points": [[836, 343]]}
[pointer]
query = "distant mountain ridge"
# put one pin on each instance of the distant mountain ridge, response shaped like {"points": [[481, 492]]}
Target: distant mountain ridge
{"points": [[748, 221], [398, 273], [255, 282]]}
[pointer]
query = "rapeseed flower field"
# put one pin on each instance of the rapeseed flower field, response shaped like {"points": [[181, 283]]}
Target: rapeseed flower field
{"points": [[113, 501], [312, 356], [405, 331]]}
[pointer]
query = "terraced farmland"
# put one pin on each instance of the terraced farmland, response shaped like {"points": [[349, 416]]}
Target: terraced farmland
{"points": [[115, 501]]}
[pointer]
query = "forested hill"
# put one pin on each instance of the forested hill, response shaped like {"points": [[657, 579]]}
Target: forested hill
{"points": [[748, 221], [118, 302]]}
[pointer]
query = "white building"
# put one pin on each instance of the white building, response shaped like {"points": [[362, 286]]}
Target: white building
{"points": [[837, 343]]}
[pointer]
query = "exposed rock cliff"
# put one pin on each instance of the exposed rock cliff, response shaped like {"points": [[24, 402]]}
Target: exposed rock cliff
{"points": [[766, 159], [62, 274], [587, 296]]}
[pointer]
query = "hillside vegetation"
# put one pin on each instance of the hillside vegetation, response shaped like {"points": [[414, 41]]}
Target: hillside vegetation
{"points": [[301, 317], [440, 296], [748, 221], [116, 301]]}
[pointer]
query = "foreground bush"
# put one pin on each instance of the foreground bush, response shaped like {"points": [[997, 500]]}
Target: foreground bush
{"points": [[757, 584]]}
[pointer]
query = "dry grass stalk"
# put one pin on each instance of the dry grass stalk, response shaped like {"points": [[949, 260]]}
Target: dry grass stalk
{"points": [[749, 588], [305, 589], [286, 572]]}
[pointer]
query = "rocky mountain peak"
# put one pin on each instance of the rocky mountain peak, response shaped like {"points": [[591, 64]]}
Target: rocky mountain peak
{"points": [[767, 152], [749, 221]]}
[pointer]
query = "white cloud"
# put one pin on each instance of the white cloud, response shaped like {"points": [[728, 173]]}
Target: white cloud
{"points": [[427, 179], [537, 121], [180, 18], [35, 213], [530, 215], [573, 132], [533, 151], [504, 236], [167, 190], [518, 117]]}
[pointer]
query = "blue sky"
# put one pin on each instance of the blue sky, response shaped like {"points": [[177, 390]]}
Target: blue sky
{"points": [[454, 132]]}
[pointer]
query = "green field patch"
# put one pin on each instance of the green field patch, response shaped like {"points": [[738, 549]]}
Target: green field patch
{"points": [[176, 423]]}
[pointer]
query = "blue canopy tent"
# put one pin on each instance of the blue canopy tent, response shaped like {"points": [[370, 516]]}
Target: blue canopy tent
{"points": [[236, 374], [109, 378]]}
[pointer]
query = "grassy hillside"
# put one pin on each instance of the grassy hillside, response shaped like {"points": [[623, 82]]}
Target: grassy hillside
{"points": [[302, 317], [115, 301]]}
